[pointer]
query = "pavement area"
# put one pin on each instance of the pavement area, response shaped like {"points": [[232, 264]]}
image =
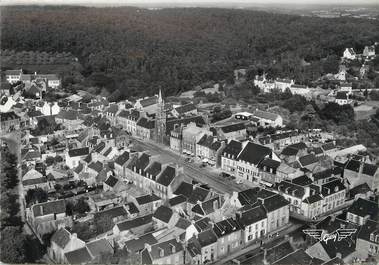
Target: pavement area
{"points": [[207, 175]]}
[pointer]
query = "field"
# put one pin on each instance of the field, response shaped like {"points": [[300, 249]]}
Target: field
{"points": [[365, 110]]}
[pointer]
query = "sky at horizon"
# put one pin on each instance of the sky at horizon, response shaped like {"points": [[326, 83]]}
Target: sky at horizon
{"points": [[190, 2]]}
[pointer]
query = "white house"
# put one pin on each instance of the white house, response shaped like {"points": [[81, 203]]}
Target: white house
{"points": [[249, 158], [342, 98], [369, 51], [6, 103], [13, 76], [350, 54], [74, 156], [267, 119], [283, 84]]}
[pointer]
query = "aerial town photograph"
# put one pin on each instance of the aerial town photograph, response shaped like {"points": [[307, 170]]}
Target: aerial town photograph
{"points": [[194, 132]]}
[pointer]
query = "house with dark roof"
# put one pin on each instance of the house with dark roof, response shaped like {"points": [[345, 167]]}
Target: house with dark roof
{"points": [[147, 204], [343, 249], [187, 109], [229, 156], [307, 161], [359, 172], [249, 159], [164, 217], [292, 152], [253, 223], [136, 226], [184, 189], [229, 235], [62, 242], [209, 149], [46, 217], [236, 131], [368, 240], [145, 128], [206, 244], [207, 208], [121, 163], [128, 120], [74, 156], [360, 191], [147, 104], [362, 210], [167, 252], [168, 181]]}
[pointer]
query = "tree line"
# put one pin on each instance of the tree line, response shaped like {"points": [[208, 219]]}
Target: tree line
{"points": [[128, 51]]}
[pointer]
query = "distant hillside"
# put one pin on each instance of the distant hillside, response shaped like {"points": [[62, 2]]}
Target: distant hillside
{"points": [[137, 50]]}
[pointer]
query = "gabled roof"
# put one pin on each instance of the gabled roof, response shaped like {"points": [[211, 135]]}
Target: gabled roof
{"points": [[308, 160], [96, 166], [50, 207], [226, 227], [167, 176], [78, 256], [332, 187], [177, 200], [342, 95], [61, 237], [198, 194], [313, 198], [148, 101], [111, 181], [147, 199], [123, 158], [207, 238], [370, 227], [233, 148], [146, 123], [185, 108], [163, 214], [138, 244], [99, 247], [183, 223], [254, 153], [133, 223], [132, 208], [275, 202], [252, 216], [362, 207], [111, 213], [184, 189], [167, 248], [154, 169], [266, 115], [360, 189], [233, 127], [291, 189], [78, 152], [328, 146]]}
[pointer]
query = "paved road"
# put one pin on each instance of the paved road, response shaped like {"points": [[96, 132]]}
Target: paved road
{"points": [[13, 140], [204, 175]]}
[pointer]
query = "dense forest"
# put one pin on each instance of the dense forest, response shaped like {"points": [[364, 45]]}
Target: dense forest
{"points": [[131, 51]]}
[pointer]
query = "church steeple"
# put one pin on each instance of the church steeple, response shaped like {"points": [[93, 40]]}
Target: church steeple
{"points": [[160, 119], [160, 96]]}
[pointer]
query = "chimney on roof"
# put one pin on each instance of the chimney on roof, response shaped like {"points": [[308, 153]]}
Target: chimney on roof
{"points": [[339, 255], [173, 248], [74, 235], [265, 262], [147, 247], [238, 215]]}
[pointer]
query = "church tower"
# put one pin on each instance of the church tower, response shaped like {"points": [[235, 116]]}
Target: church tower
{"points": [[160, 119]]}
